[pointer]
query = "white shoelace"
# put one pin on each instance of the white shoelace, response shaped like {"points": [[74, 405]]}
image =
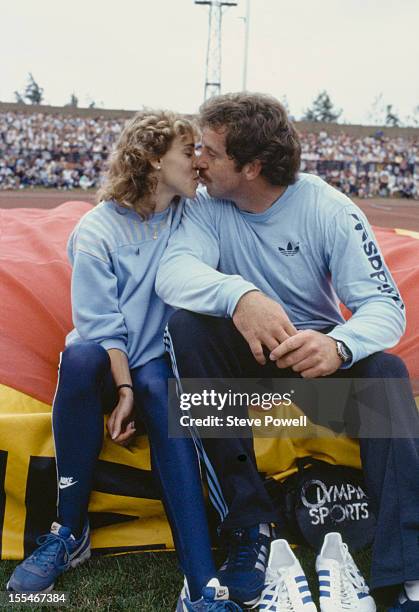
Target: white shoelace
{"points": [[276, 586], [350, 576]]}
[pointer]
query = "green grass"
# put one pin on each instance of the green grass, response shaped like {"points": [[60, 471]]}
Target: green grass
{"points": [[140, 582]]}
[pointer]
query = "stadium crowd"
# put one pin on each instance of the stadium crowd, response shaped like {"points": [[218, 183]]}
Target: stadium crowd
{"points": [[64, 152], [364, 167]]}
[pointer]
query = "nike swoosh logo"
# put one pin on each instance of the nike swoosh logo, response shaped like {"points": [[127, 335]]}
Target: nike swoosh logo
{"points": [[68, 484]]}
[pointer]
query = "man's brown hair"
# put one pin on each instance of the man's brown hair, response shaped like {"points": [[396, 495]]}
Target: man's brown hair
{"points": [[257, 127]]}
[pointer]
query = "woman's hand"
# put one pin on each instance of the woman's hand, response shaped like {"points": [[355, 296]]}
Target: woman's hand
{"points": [[120, 424]]}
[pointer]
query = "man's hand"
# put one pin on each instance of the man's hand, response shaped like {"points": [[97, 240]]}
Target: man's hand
{"points": [[309, 352], [120, 424], [262, 322]]}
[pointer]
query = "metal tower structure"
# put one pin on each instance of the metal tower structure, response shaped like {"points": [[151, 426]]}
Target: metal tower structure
{"points": [[213, 68], [246, 44]]}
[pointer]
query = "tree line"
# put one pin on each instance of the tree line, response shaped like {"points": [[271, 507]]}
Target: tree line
{"points": [[34, 94], [321, 109]]}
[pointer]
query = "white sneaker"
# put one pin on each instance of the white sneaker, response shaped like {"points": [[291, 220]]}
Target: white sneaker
{"points": [[341, 585], [286, 587], [214, 597]]}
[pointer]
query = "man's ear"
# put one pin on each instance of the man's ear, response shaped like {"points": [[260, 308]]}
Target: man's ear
{"points": [[252, 170]]}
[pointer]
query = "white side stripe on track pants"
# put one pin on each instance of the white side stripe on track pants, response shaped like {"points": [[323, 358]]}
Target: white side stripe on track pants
{"points": [[214, 488]]}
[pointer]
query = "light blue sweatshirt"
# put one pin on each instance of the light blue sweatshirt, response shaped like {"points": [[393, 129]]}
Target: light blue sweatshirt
{"points": [[310, 249], [115, 256]]}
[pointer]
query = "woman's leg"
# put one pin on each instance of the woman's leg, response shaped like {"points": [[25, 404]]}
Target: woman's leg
{"points": [[77, 418], [78, 432], [176, 465]]}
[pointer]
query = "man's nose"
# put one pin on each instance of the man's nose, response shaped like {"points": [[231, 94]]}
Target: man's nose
{"points": [[200, 163]]}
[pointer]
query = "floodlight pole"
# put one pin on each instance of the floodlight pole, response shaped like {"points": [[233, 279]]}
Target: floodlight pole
{"points": [[213, 66], [246, 44]]}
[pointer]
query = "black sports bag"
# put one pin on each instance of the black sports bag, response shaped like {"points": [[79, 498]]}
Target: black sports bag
{"points": [[321, 498]]}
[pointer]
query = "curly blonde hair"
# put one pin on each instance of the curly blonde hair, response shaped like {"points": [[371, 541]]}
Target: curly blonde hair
{"points": [[130, 178]]}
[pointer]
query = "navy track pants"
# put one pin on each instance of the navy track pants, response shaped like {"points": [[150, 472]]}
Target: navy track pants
{"points": [[85, 391]]}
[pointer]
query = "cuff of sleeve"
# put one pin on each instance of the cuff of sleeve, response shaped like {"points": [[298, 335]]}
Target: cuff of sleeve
{"points": [[233, 295], [114, 343], [338, 334]]}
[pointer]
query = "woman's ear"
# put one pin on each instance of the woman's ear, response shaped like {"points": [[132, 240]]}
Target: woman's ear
{"points": [[156, 163]]}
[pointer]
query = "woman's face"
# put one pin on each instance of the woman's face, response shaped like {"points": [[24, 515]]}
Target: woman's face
{"points": [[178, 174]]}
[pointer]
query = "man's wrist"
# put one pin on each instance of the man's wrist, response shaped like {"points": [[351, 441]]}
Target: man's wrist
{"points": [[344, 353], [241, 298]]}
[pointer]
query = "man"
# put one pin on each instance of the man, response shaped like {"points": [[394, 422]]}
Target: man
{"points": [[258, 266]]}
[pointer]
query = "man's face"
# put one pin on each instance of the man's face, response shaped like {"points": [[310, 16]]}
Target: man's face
{"points": [[217, 171]]}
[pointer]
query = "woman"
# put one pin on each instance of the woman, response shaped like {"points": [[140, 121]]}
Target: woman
{"points": [[114, 360]]}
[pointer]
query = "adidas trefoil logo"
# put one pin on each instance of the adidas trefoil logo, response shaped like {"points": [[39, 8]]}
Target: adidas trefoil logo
{"points": [[290, 250], [66, 481]]}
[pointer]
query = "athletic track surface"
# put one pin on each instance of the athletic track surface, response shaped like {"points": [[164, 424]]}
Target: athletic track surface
{"points": [[395, 213]]}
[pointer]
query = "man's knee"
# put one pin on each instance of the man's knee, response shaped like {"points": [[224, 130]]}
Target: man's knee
{"points": [[189, 328], [183, 323], [383, 365], [389, 394]]}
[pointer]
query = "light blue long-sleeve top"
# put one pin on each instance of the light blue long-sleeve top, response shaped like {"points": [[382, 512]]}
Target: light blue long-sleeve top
{"points": [[115, 255], [310, 249]]}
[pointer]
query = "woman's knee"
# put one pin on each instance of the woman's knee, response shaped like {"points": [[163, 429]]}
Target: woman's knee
{"points": [[84, 361], [151, 383], [155, 391]]}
